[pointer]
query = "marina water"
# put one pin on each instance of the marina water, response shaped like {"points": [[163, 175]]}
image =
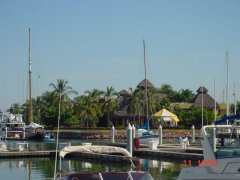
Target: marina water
{"points": [[42, 168]]}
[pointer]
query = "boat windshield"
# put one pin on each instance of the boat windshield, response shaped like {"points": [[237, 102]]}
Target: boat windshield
{"points": [[229, 151]]}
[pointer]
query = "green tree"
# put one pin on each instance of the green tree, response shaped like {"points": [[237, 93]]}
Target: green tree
{"points": [[88, 108], [109, 102], [168, 90], [185, 95], [48, 111], [60, 93], [194, 117], [134, 100], [165, 103], [232, 107], [16, 109]]}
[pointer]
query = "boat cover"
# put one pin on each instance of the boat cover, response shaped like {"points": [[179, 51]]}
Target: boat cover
{"points": [[225, 118], [35, 125], [94, 149]]}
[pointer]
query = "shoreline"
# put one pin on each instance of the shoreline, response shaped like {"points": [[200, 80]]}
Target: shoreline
{"points": [[121, 134]]}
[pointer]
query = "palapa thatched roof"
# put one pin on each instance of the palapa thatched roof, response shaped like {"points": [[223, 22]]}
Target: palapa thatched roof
{"points": [[208, 101], [143, 84], [123, 92], [202, 90]]}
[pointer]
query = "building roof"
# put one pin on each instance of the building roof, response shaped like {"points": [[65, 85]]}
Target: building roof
{"points": [[123, 92], [182, 105], [202, 90], [208, 101], [143, 83]]}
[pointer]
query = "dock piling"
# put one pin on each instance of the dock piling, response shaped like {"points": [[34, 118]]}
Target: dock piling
{"points": [[193, 134], [160, 134], [129, 138], [112, 134], [133, 131]]}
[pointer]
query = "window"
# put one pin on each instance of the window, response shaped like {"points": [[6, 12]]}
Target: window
{"points": [[230, 150]]}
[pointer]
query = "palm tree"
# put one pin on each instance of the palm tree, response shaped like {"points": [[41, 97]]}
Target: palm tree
{"points": [[89, 107], [134, 98], [109, 101], [186, 95], [37, 107], [16, 108], [168, 90], [60, 91], [88, 110]]}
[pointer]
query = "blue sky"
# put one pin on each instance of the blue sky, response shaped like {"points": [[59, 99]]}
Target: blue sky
{"points": [[95, 44]]}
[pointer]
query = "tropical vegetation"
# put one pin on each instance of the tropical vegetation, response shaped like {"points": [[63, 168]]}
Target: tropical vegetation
{"points": [[96, 108]]}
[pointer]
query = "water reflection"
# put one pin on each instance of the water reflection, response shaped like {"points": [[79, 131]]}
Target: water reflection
{"points": [[42, 168]]}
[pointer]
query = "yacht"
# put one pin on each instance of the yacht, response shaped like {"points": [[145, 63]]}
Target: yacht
{"points": [[12, 126], [35, 131], [223, 163]]}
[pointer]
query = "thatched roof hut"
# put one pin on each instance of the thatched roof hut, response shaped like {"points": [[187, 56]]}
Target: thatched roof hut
{"points": [[144, 83], [208, 101], [123, 93]]}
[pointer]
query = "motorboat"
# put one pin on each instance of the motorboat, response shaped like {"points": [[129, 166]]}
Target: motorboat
{"points": [[49, 138], [3, 146], [35, 131], [223, 163], [12, 126], [145, 136], [111, 153], [129, 175]]}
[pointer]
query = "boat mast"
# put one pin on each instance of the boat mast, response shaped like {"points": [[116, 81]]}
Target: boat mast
{"points": [[235, 105], [30, 114], [215, 103], [145, 71], [227, 87]]}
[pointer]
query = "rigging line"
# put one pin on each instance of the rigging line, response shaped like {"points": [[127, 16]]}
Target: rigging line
{"points": [[202, 90]]}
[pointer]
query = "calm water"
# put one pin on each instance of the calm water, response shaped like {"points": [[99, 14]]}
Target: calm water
{"points": [[42, 168]]}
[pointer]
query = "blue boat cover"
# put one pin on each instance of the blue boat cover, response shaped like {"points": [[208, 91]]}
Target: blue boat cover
{"points": [[225, 118]]}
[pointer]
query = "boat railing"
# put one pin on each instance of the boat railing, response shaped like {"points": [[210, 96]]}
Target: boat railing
{"points": [[15, 129]]}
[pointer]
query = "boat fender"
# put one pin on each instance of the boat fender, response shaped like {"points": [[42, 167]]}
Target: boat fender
{"points": [[136, 143]]}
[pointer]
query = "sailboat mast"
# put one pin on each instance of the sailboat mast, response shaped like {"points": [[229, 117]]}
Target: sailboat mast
{"points": [[145, 71], [227, 87], [30, 113]]}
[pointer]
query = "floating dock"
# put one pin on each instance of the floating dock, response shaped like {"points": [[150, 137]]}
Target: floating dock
{"points": [[17, 154], [193, 152]]}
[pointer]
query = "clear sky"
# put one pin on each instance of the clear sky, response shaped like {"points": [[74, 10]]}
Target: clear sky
{"points": [[98, 43]]}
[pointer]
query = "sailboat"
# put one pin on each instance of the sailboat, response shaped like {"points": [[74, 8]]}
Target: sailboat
{"points": [[33, 131], [145, 134]]}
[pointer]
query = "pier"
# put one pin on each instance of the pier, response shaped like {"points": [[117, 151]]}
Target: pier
{"points": [[18, 154], [163, 151]]}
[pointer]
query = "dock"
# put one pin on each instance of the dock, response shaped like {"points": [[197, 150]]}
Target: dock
{"points": [[194, 152], [173, 151], [17, 154]]}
